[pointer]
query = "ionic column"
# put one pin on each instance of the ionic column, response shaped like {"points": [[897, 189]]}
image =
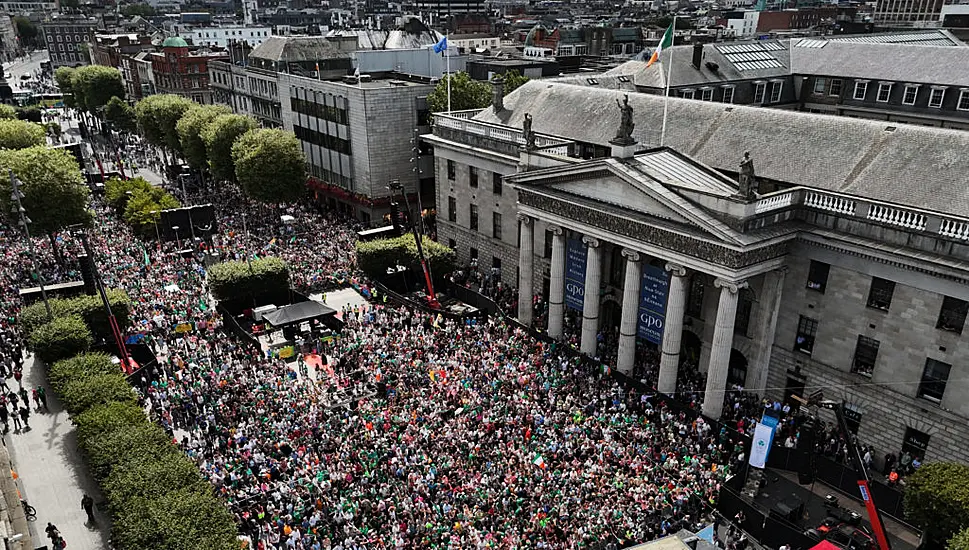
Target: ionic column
{"points": [[590, 304], [628, 325], [720, 349], [526, 257], [764, 329], [556, 286], [669, 362]]}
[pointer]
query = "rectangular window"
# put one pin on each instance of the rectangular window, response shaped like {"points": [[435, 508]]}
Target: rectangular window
{"points": [[742, 322], [880, 293], [934, 378], [963, 104], [866, 351], [915, 443], [775, 91], [884, 92], [835, 88], [452, 209], [759, 89], [952, 316], [496, 225], [694, 304], [547, 250], [807, 329], [861, 88], [818, 276], [496, 183], [450, 170], [936, 97], [728, 94], [706, 94], [473, 253], [820, 84], [473, 222], [452, 244], [472, 176], [911, 94], [686, 94]]}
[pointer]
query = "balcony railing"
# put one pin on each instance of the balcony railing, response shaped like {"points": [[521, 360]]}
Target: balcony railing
{"points": [[461, 121]]}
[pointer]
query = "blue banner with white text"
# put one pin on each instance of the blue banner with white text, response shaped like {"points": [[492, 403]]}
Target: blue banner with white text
{"points": [[652, 303], [575, 253]]}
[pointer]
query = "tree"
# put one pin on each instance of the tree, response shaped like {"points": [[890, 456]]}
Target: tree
{"points": [[100, 389], [118, 191], [374, 257], [30, 114], [26, 30], [120, 115], [153, 479], [238, 281], [88, 308], [95, 85], [64, 77], [513, 79], [7, 112], [157, 116], [143, 10], [937, 499], [182, 520], [54, 193], [63, 372], [960, 541], [219, 136], [466, 93], [61, 338], [190, 128], [115, 449], [270, 165], [108, 417], [144, 209], [18, 134]]}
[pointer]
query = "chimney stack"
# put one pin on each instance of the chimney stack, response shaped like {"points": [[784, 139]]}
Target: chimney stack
{"points": [[697, 54], [498, 93]]}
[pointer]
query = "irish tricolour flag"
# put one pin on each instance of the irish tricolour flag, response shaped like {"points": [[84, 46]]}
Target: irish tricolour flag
{"points": [[665, 42], [539, 461]]}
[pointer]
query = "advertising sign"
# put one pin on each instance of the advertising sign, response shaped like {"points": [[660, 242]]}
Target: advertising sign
{"points": [[575, 254], [652, 303]]}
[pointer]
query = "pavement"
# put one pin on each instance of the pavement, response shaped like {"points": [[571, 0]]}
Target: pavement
{"points": [[53, 476]]}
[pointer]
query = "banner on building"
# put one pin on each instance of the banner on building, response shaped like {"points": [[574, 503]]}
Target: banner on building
{"points": [[760, 446], [652, 303], [575, 257]]}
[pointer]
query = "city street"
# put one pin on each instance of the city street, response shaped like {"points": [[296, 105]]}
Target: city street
{"points": [[20, 67]]}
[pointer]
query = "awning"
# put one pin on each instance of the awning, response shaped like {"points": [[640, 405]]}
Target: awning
{"points": [[298, 313]]}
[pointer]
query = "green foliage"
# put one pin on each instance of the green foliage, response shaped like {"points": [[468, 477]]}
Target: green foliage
{"points": [[466, 93], [88, 308], [108, 417], [270, 165], [158, 116], [151, 479], [513, 79], [937, 499], [64, 77], [374, 257], [190, 128], [144, 209], [95, 85], [116, 191], [179, 520], [30, 114], [81, 394], [61, 338], [118, 448], [89, 364], [26, 30], [219, 136], [54, 194], [231, 281], [18, 134], [960, 541], [143, 10], [120, 115], [7, 112]]}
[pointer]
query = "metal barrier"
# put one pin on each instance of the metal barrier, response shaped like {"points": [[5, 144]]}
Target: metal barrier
{"points": [[230, 323]]}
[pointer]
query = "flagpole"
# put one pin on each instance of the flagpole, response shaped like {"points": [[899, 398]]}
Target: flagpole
{"points": [[666, 94], [447, 62]]}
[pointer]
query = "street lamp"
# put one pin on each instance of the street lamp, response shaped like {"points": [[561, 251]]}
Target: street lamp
{"points": [[157, 234], [178, 243], [16, 196]]}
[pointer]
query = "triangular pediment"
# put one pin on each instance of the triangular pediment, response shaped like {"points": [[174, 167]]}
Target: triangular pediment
{"points": [[613, 190]]}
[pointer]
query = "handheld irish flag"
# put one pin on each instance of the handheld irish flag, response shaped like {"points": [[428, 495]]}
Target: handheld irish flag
{"points": [[539, 461], [665, 42]]}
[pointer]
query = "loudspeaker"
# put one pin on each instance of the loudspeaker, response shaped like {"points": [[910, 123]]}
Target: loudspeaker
{"points": [[87, 274], [806, 437], [805, 477]]}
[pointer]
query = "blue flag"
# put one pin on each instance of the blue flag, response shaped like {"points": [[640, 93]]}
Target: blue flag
{"points": [[441, 46]]}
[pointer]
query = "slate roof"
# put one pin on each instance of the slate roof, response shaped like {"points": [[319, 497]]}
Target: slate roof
{"points": [[903, 164], [397, 39], [933, 37], [894, 62], [296, 48]]}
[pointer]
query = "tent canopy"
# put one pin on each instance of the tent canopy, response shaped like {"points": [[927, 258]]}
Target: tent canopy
{"points": [[298, 313], [825, 545]]}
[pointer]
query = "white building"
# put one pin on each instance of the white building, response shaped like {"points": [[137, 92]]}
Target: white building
{"points": [[223, 36], [472, 42], [16, 8], [743, 28]]}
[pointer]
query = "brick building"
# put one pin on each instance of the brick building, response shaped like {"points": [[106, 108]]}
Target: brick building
{"points": [[68, 38], [182, 70]]}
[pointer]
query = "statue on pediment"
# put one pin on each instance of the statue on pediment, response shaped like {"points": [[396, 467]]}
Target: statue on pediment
{"points": [[528, 133], [624, 135], [747, 181]]}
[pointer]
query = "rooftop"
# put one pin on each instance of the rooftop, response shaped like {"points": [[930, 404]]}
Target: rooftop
{"points": [[296, 48]]}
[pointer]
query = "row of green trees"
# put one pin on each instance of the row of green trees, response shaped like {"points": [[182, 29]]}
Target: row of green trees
{"points": [[937, 500], [78, 323], [268, 164], [156, 495], [89, 88], [138, 202], [374, 257]]}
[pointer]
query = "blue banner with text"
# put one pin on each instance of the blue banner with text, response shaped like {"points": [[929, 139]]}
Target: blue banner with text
{"points": [[575, 253], [652, 303]]}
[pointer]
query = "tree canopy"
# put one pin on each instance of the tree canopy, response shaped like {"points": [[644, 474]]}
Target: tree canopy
{"points": [[158, 116], [190, 128], [95, 85], [218, 136], [7, 112], [144, 208], [960, 541], [513, 80], [26, 30], [937, 499], [466, 93], [144, 10], [270, 165], [64, 77], [54, 193], [121, 115], [19, 134]]}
